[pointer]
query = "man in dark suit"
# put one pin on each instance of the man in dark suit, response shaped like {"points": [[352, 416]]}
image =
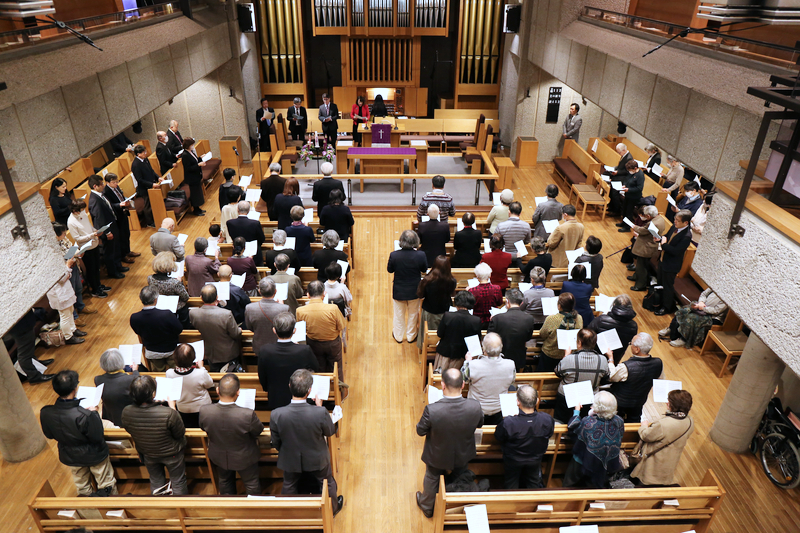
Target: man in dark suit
{"points": [[455, 327], [673, 246], [298, 433], [158, 330], [433, 235], [278, 361], [620, 173], [102, 215], [166, 159], [515, 328], [116, 198], [232, 438], [323, 188], [271, 187], [632, 186], [265, 116], [146, 179], [449, 429], [121, 144], [278, 247], [251, 230], [328, 115], [174, 138], [298, 120]]}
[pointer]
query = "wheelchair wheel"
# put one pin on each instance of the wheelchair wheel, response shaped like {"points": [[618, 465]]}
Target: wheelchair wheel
{"points": [[781, 461]]}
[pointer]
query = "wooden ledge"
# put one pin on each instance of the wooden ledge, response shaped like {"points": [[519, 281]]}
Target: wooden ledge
{"points": [[770, 213], [24, 191]]}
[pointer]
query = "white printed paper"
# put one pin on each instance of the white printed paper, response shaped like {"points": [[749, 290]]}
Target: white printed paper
{"points": [[477, 519], [213, 246], [290, 242], [653, 231], [199, 350], [182, 238], [250, 248], [550, 225], [434, 394], [521, 250], [473, 343], [598, 506], [567, 338], [579, 393], [425, 218], [90, 396], [673, 503], [544, 508], [609, 169], [252, 195], [608, 340], [321, 387], [496, 198], [603, 303], [628, 221], [573, 255], [131, 354], [550, 305], [640, 163], [494, 311], [472, 283], [396, 245], [223, 290], [525, 286], [116, 513], [344, 266], [336, 415], [340, 246], [238, 280], [662, 387], [508, 404], [179, 270], [247, 399], [299, 331], [486, 247], [596, 145], [170, 303], [168, 388], [254, 215], [671, 201], [70, 513], [206, 157], [540, 200], [244, 181], [281, 291], [616, 185], [657, 170], [697, 180], [308, 215]]}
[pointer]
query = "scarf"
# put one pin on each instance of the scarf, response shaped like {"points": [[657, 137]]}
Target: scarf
{"points": [[678, 415], [568, 320], [184, 371], [602, 437]]}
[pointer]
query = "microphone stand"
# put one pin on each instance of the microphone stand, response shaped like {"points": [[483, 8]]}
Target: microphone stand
{"points": [[76, 33]]}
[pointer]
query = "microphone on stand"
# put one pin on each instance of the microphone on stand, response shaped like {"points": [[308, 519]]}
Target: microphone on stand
{"points": [[235, 150]]}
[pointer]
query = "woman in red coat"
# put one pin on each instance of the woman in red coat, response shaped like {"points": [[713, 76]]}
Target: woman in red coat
{"points": [[499, 261], [360, 115]]}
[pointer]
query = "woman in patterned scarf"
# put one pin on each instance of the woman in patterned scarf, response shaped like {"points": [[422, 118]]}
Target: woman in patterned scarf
{"points": [[598, 436]]}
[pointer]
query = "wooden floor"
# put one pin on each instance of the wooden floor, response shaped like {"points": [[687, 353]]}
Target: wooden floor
{"points": [[380, 455]]}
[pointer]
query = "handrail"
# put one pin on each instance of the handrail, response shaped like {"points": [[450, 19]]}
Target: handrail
{"points": [[731, 44]]}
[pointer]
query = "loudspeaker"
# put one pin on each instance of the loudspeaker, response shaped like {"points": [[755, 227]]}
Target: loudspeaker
{"points": [[512, 18], [247, 18]]}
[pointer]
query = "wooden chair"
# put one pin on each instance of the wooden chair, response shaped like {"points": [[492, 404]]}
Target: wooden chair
{"points": [[588, 195], [728, 337]]}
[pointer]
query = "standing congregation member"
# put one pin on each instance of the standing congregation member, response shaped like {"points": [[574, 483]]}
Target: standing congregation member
{"points": [[532, 299], [298, 433], [499, 213], [433, 235], [116, 385], [674, 178], [230, 211], [524, 439], [633, 379], [620, 317], [164, 241], [265, 116], [329, 254], [566, 318], [303, 236], [146, 179], [60, 200], [166, 159], [222, 193], [278, 360], [581, 289], [324, 327], [653, 158], [79, 433], [116, 198], [673, 246], [285, 201], [329, 115], [200, 269], [233, 433], [360, 115], [272, 186], [454, 327], [174, 138], [193, 176], [166, 285], [242, 264], [540, 259], [551, 209], [259, 317], [221, 336], [487, 295], [103, 215], [120, 144], [408, 265], [436, 291], [323, 188], [24, 335], [592, 256], [158, 329], [632, 187], [515, 328], [298, 120], [488, 376], [337, 292], [160, 437], [80, 227], [572, 124], [467, 244], [514, 230], [449, 429], [437, 196], [645, 247], [337, 216], [278, 248], [294, 289], [196, 382], [691, 201], [61, 298], [566, 237], [499, 261], [584, 364], [248, 229]]}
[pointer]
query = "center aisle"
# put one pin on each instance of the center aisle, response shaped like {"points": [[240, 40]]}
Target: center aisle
{"points": [[380, 452]]}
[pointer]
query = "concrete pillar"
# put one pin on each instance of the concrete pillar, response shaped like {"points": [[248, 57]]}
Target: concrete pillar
{"points": [[21, 435], [757, 374]]}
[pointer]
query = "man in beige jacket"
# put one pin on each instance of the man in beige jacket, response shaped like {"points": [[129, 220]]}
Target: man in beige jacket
{"points": [[567, 236], [645, 247]]}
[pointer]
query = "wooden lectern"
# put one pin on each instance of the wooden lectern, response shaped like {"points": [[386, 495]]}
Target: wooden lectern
{"points": [[230, 157]]}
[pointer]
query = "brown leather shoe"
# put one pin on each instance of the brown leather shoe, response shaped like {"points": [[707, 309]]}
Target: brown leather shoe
{"points": [[134, 254], [87, 311], [79, 323], [128, 260]]}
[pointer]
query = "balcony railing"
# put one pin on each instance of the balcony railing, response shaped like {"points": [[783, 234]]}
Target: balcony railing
{"points": [[18, 39], [741, 47]]}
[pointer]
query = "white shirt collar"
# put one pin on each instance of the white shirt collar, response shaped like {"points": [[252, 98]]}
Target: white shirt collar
{"points": [[298, 401]]}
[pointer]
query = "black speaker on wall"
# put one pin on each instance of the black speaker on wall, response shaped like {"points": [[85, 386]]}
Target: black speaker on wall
{"points": [[247, 18], [512, 18]]}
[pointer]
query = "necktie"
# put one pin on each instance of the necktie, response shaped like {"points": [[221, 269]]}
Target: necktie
{"points": [[119, 195], [109, 206]]}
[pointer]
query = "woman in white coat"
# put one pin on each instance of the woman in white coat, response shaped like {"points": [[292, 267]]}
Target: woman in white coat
{"points": [[62, 298]]}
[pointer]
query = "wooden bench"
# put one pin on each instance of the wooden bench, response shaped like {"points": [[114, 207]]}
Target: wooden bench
{"points": [[626, 510], [575, 165], [188, 514], [466, 113], [226, 250], [157, 196], [196, 301], [591, 197]]}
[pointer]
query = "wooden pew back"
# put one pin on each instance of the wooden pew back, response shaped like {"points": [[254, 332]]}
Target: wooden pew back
{"points": [[81, 170], [585, 162], [472, 114], [604, 153]]}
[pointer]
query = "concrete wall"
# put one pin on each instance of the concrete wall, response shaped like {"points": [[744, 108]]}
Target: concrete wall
{"points": [[756, 275]]}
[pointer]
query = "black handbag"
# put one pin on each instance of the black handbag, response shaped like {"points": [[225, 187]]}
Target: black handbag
{"points": [[627, 256], [653, 299], [178, 193]]}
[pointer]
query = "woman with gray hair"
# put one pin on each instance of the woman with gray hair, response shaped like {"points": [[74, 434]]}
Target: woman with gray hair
{"points": [[674, 178], [115, 384], [408, 265], [598, 436], [163, 266], [487, 295], [654, 159], [271, 186], [329, 254]]}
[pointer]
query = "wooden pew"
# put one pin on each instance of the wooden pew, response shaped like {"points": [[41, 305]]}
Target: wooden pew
{"points": [[604, 154], [157, 196], [182, 513], [625, 509], [98, 158], [196, 301], [226, 250], [575, 166], [202, 146], [466, 113], [127, 187]]}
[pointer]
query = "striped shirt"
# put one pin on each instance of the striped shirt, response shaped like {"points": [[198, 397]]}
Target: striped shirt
{"points": [[443, 200], [514, 230], [581, 366]]}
